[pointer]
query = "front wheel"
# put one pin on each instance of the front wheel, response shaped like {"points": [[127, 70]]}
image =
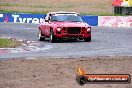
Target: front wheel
{"points": [[52, 37], [41, 38], [87, 39]]}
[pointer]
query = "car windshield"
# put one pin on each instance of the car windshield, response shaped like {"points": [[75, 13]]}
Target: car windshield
{"points": [[66, 18]]}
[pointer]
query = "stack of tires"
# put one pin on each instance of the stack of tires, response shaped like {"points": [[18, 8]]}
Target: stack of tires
{"points": [[122, 10]]}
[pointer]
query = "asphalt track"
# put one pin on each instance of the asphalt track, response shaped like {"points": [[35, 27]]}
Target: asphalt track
{"points": [[106, 41]]}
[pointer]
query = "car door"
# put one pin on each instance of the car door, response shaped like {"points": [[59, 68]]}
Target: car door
{"points": [[47, 26], [42, 23]]}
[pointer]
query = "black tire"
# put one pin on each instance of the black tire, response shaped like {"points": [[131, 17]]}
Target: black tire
{"points": [[52, 37], [130, 10], [41, 38], [81, 80], [87, 39], [120, 10], [117, 10], [125, 11]]}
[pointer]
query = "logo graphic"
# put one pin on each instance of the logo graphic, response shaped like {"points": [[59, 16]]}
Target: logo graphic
{"points": [[83, 78], [1, 15], [26, 19], [6, 19]]}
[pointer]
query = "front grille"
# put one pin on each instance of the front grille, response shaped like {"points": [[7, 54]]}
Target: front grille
{"points": [[73, 30]]}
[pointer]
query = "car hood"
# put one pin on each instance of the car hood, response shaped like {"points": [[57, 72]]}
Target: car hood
{"points": [[70, 24]]}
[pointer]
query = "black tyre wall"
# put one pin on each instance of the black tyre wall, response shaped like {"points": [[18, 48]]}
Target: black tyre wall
{"points": [[117, 10]]}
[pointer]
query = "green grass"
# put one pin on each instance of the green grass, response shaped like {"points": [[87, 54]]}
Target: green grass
{"points": [[45, 12], [8, 11], [84, 7], [7, 43], [32, 12], [87, 7], [8, 4]]}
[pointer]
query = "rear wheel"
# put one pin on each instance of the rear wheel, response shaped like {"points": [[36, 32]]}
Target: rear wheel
{"points": [[52, 37], [87, 39], [41, 38]]}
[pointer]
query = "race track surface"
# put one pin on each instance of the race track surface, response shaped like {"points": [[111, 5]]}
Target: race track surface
{"points": [[106, 41]]}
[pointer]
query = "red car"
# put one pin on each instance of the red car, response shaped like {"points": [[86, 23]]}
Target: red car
{"points": [[64, 25]]}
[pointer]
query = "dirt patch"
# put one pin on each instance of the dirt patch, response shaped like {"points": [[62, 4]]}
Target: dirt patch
{"points": [[60, 73]]}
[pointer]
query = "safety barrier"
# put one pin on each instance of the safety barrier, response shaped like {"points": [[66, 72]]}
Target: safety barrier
{"points": [[21, 18], [36, 18], [112, 21], [115, 21]]}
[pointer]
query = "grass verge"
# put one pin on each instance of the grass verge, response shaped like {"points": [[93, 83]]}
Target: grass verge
{"points": [[87, 7], [13, 11], [45, 12], [84, 7], [8, 43]]}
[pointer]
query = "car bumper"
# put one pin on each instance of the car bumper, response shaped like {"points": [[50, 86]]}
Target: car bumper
{"points": [[81, 36]]}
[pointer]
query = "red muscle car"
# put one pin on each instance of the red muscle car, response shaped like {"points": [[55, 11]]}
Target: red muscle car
{"points": [[64, 25]]}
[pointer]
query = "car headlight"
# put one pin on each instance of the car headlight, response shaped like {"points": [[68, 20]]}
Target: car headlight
{"points": [[58, 29], [88, 29]]}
